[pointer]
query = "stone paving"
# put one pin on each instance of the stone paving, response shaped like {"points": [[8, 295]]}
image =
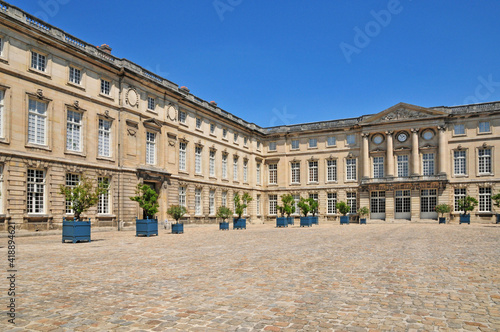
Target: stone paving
{"points": [[325, 278]]}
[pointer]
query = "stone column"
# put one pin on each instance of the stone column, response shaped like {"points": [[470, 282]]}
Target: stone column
{"points": [[442, 150], [390, 153], [366, 156], [415, 162]]}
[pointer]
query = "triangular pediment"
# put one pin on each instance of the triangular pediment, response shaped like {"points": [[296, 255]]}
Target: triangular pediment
{"points": [[153, 123], [403, 111]]}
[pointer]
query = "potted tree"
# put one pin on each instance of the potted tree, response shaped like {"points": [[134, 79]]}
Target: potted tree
{"points": [[442, 209], [313, 208], [304, 208], [177, 212], [363, 212], [147, 198], [466, 204], [224, 212], [81, 197], [287, 208], [344, 210], [496, 202], [240, 204], [281, 221]]}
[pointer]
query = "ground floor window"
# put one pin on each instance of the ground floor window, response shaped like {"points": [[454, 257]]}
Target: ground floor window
{"points": [[402, 201], [257, 201], [197, 201], [296, 199], [72, 181], [273, 201], [428, 200], [211, 202], [460, 193], [331, 202], [351, 201], [182, 196], [485, 199], [377, 202], [103, 204], [35, 191]]}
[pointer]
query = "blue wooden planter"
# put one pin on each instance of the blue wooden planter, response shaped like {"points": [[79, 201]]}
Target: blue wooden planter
{"points": [[498, 218], [239, 223], [305, 221], [177, 228], [362, 221], [76, 231], [465, 219], [344, 220], [224, 225], [442, 220], [282, 222], [291, 220], [314, 220], [146, 227]]}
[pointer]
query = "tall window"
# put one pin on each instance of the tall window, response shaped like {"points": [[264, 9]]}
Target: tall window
{"points": [[37, 122], [245, 171], [38, 61], [235, 138], [459, 129], [75, 75], [211, 202], [104, 138], [484, 127], [72, 181], [198, 123], [257, 175], [211, 163], [74, 131], [331, 141], [105, 87], [403, 201], [182, 196], [350, 169], [428, 200], [295, 170], [103, 204], [403, 169], [258, 145], [460, 193], [331, 203], [313, 171], [212, 128], [459, 162], [150, 148], [484, 199], [484, 161], [224, 166], [257, 201], [377, 202], [197, 201], [273, 173], [224, 133], [151, 103], [296, 199], [224, 198], [313, 143], [2, 112], [331, 170], [351, 139], [235, 168], [182, 156], [272, 146], [197, 159], [273, 202], [35, 191], [182, 117], [378, 167], [428, 163], [295, 144], [351, 201]]}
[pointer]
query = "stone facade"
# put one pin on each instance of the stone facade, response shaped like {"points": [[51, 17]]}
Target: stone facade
{"points": [[70, 109]]}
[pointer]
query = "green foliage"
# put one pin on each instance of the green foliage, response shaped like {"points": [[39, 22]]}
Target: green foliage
{"points": [[442, 209], [363, 211], [313, 206], [177, 212], [288, 207], [83, 196], [496, 200], [304, 206], [467, 204], [224, 212], [241, 203], [147, 198], [343, 208]]}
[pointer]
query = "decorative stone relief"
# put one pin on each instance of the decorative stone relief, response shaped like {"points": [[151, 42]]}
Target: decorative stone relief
{"points": [[132, 97], [401, 114]]}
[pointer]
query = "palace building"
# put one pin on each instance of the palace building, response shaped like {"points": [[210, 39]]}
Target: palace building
{"points": [[69, 109]]}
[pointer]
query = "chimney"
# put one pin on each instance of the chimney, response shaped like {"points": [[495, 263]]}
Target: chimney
{"points": [[105, 48]]}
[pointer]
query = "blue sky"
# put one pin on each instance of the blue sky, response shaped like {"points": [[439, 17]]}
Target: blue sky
{"points": [[294, 61]]}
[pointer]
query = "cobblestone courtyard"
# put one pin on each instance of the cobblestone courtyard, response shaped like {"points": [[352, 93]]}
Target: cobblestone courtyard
{"points": [[329, 277]]}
